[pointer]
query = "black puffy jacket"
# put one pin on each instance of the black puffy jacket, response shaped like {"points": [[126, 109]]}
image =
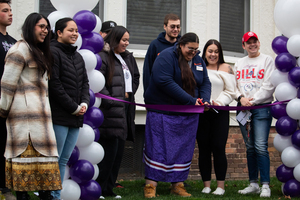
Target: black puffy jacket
{"points": [[116, 123], [68, 85]]}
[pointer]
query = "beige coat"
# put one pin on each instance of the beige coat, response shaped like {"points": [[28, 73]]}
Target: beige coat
{"points": [[24, 101]]}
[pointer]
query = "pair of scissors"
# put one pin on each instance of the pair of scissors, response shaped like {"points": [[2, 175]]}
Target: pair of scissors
{"points": [[202, 104]]}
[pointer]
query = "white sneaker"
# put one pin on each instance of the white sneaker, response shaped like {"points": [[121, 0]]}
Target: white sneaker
{"points": [[206, 190], [265, 191], [250, 189], [118, 197], [219, 191], [102, 197]]}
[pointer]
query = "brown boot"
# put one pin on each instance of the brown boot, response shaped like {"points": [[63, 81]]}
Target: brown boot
{"points": [[179, 190], [149, 191]]}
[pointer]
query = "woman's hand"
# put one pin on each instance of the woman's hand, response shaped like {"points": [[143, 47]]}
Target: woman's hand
{"points": [[82, 110], [246, 101], [214, 103]]}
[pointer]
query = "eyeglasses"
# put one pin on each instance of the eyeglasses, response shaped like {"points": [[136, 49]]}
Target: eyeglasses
{"points": [[44, 27], [192, 50], [174, 26]]}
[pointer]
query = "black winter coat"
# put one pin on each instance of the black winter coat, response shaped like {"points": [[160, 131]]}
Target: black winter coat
{"points": [[68, 85], [116, 123]]}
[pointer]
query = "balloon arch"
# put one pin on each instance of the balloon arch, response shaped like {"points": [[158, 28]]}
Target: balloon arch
{"points": [[82, 166]]}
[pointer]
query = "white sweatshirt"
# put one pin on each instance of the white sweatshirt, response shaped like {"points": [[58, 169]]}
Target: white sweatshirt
{"points": [[253, 78], [223, 87]]}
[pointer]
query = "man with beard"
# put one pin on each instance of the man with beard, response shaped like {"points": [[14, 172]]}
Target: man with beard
{"points": [[6, 41], [164, 40]]}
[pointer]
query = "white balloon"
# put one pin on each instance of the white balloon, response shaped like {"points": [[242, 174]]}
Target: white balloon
{"points": [[96, 174], [98, 25], [71, 7], [89, 58], [78, 42], [67, 173], [287, 17], [96, 80], [298, 62], [97, 102], [293, 108], [54, 17], [293, 45], [70, 190], [281, 142], [278, 77], [93, 153], [296, 172], [86, 136], [290, 157], [285, 91]]}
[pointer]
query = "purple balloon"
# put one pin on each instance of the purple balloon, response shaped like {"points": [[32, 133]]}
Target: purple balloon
{"points": [[279, 45], [93, 117], [74, 156], [286, 126], [86, 21], [284, 62], [97, 134], [99, 62], [90, 190], [296, 139], [278, 110], [284, 173], [82, 171], [294, 76], [92, 98], [292, 188], [93, 42]]}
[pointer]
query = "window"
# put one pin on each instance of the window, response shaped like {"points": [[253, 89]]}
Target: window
{"points": [[234, 22], [46, 8], [145, 19]]}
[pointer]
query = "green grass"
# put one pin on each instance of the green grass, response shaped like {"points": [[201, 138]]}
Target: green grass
{"points": [[133, 190]]}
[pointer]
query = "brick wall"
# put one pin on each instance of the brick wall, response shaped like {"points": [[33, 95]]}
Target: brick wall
{"points": [[236, 157]]}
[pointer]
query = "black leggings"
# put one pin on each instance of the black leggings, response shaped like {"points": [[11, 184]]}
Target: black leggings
{"points": [[212, 137]]}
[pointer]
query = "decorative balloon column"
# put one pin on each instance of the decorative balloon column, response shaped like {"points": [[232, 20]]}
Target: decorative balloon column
{"points": [[287, 81], [82, 166]]}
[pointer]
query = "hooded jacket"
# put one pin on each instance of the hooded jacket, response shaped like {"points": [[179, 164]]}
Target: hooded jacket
{"points": [[116, 123], [68, 85]]}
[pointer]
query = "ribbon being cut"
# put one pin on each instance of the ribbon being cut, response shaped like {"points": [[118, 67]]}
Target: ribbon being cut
{"points": [[189, 108]]}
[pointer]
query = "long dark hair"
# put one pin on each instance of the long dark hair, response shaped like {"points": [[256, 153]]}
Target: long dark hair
{"points": [[218, 44], [113, 38], [187, 76], [40, 51], [61, 24]]}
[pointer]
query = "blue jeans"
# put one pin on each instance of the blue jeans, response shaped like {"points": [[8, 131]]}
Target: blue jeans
{"points": [[257, 144], [66, 138]]}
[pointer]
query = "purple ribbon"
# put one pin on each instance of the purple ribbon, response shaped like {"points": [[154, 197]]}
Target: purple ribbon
{"points": [[189, 108]]}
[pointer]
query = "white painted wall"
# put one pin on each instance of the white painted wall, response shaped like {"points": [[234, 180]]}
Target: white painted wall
{"points": [[202, 18]]}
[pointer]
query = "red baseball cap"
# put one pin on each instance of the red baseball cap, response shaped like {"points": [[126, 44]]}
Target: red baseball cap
{"points": [[249, 35]]}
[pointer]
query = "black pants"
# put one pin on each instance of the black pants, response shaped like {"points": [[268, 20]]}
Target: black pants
{"points": [[110, 165], [212, 138], [3, 136]]}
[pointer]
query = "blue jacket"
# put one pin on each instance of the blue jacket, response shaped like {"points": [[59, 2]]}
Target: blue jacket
{"points": [[165, 86], [155, 47]]}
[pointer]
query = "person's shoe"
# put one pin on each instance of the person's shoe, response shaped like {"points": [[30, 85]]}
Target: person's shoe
{"points": [[101, 197], [118, 197], [206, 190], [180, 190], [249, 190], [265, 191], [149, 191], [9, 196], [219, 191]]}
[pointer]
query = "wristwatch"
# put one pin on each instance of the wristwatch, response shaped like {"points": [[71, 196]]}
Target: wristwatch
{"points": [[239, 98]]}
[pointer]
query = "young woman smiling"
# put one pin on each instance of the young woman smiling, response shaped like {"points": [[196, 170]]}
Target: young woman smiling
{"points": [[68, 91]]}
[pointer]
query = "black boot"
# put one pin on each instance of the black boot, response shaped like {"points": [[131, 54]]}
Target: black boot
{"points": [[22, 195], [45, 195]]}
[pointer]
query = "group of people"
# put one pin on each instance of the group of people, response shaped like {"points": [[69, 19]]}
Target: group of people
{"points": [[175, 74], [45, 93]]}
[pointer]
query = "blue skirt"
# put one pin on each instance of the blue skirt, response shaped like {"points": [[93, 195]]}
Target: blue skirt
{"points": [[169, 146]]}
